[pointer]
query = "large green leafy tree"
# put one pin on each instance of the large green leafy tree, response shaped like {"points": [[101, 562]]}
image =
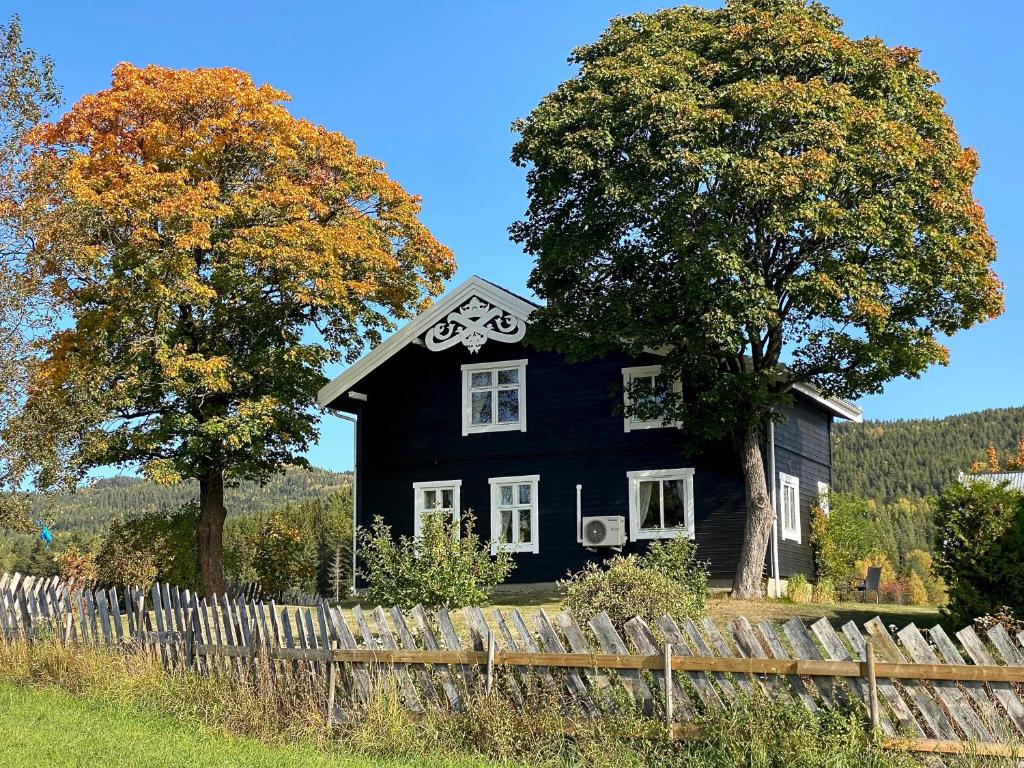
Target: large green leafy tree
{"points": [[211, 254], [27, 92], [746, 187]]}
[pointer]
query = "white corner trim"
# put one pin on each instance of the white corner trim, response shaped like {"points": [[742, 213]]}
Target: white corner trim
{"points": [[468, 428], [448, 302], [837, 406], [636, 533], [789, 533], [495, 483]]}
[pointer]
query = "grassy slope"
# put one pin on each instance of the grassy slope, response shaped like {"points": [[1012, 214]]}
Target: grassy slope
{"points": [[44, 728]]}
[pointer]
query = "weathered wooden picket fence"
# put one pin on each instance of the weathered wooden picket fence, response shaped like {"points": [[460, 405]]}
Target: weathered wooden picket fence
{"points": [[920, 689]]}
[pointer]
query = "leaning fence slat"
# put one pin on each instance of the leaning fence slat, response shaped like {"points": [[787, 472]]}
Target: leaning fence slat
{"points": [[926, 705], [778, 651], [947, 692], [750, 647], [388, 642], [450, 638], [645, 643], [104, 613], [408, 641], [986, 705], [430, 643], [1004, 692], [360, 676], [574, 682], [526, 641], [728, 686], [609, 639], [699, 680], [804, 647], [721, 648], [900, 709]]}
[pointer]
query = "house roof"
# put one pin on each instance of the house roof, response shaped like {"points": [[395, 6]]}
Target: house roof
{"points": [[518, 308], [1015, 480]]}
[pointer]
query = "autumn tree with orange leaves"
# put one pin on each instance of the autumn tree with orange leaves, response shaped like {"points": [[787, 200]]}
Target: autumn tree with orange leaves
{"points": [[212, 253]]}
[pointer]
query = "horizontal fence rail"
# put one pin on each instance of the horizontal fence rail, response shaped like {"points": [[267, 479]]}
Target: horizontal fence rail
{"points": [[922, 689]]}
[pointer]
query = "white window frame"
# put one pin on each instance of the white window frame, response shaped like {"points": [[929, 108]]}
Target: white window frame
{"points": [[495, 483], [436, 485], [636, 533], [789, 533], [468, 427], [629, 423], [823, 497]]}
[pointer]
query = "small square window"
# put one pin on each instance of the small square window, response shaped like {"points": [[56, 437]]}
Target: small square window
{"points": [[494, 397], [435, 497], [661, 504], [646, 383]]}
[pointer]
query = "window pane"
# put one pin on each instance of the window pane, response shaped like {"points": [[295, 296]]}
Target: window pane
{"points": [[429, 499], [480, 379], [506, 495], [525, 535], [524, 493], [508, 406], [480, 410], [675, 493], [648, 504], [508, 376], [505, 533], [447, 498]]}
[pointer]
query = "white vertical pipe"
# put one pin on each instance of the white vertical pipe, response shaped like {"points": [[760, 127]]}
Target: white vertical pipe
{"points": [[775, 507], [579, 513]]}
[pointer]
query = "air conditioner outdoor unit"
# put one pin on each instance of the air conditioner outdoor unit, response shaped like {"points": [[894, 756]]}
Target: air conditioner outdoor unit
{"points": [[604, 531]]}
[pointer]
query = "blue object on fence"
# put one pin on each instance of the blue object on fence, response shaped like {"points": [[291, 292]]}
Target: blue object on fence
{"points": [[44, 533]]}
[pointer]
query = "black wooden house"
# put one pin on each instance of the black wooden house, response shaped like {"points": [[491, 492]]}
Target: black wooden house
{"points": [[454, 412]]}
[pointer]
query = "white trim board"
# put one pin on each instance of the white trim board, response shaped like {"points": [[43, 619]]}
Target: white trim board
{"points": [[450, 301]]}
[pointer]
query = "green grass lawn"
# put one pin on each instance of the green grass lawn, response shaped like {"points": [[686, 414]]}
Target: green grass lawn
{"points": [[43, 728]]}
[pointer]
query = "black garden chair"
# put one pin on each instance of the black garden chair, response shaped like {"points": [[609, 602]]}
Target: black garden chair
{"points": [[871, 583]]}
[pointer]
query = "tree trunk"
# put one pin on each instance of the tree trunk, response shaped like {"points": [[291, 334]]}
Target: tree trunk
{"points": [[211, 532], [760, 518]]}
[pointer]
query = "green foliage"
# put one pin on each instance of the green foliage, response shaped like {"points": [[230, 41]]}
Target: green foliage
{"points": [[841, 537], [257, 548], [886, 461], [670, 581], [798, 589], [824, 592], [980, 549], [153, 546], [439, 567]]}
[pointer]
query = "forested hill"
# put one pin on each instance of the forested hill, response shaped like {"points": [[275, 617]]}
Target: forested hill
{"points": [[916, 458], [92, 508]]}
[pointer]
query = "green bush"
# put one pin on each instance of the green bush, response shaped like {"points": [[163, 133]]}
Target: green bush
{"points": [[824, 592], [798, 589], [437, 568], [980, 549], [669, 579], [153, 546], [841, 538]]}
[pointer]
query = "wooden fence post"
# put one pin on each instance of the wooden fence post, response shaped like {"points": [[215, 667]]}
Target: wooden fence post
{"points": [[869, 658], [490, 662], [332, 680], [669, 714]]}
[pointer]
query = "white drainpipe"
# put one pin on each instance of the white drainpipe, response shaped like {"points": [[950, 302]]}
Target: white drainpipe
{"points": [[579, 514], [775, 509]]}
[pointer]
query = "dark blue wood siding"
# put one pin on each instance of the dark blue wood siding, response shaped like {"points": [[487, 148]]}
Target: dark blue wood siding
{"points": [[411, 430], [803, 448]]}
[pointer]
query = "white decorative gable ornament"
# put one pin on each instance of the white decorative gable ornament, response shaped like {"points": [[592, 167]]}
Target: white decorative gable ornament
{"points": [[473, 324]]}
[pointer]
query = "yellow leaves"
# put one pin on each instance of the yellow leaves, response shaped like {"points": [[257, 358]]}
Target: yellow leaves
{"points": [[161, 472]]}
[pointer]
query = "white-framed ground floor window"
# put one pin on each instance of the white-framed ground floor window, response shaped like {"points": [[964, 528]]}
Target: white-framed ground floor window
{"points": [[660, 504], [514, 504], [789, 506], [436, 496]]}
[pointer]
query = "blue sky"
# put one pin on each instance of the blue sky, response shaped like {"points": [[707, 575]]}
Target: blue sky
{"points": [[430, 88]]}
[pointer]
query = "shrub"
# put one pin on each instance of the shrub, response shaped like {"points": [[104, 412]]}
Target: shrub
{"points": [[625, 586], [677, 559], [437, 568], [824, 591], [75, 565], [980, 548], [893, 591], [918, 562], [283, 558], [916, 592], [798, 589], [842, 537], [153, 546]]}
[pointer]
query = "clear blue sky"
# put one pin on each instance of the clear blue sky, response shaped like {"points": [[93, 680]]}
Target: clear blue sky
{"points": [[431, 88]]}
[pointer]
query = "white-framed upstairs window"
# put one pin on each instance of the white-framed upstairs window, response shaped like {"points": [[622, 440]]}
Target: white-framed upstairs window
{"points": [[789, 507], [494, 397], [644, 381], [514, 525], [436, 496], [824, 493], [660, 504]]}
